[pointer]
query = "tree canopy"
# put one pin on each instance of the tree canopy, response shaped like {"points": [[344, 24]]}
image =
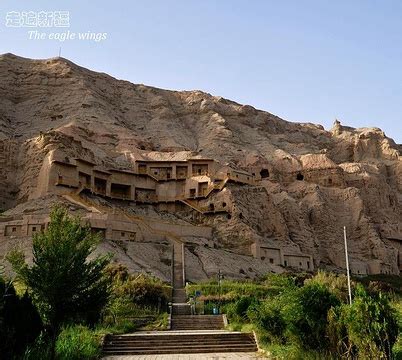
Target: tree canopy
{"points": [[65, 284]]}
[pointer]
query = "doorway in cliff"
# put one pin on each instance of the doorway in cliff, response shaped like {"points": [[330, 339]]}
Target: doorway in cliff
{"points": [[264, 173]]}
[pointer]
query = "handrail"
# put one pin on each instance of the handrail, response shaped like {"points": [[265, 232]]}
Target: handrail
{"points": [[172, 268], [183, 265]]}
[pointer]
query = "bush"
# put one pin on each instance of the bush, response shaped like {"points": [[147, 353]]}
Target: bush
{"points": [[209, 307], [119, 314], [286, 280], [238, 309], [269, 320], [144, 291], [229, 290], [77, 343], [335, 283], [397, 350], [20, 322], [338, 339], [371, 324], [307, 315], [39, 349], [133, 296]]}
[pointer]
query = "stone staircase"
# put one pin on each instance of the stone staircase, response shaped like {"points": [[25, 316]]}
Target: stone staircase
{"points": [[179, 295], [197, 322], [180, 309], [179, 343], [189, 334]]}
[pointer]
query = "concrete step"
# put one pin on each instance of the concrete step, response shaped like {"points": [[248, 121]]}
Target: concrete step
{"points": [[196, 327], [181, 335], [181, 309], [179, 296], [198, 317], [179, 343], [172, 343], [181, 351], [200, 322], [197, 322]]}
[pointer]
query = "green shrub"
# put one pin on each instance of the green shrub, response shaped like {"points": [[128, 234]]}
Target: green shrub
{"points": [[20, 322], [119, 314], [268, 318], [237, 310], [306, 316], [209, 307], [397, 350], [117, 272], [140, 290], [372, 324], [337, 334], [77, 343], [285, 281], [335, 283], [121, 326], [133, 296], [40, 349]]}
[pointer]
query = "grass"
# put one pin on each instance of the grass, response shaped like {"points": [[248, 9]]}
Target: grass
{"points": [[292, 352], [160, 323], [78, 343], [75, 342], [397, 350], [122, 326]]}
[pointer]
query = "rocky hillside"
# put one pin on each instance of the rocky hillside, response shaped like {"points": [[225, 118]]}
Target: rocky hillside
{"points": [[313, 181]]}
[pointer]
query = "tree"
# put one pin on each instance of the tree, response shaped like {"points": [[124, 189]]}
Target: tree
{"points": [[65, 285]]}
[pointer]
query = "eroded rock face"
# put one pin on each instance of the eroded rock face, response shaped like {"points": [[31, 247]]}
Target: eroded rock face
{"points": [[313, 182]]}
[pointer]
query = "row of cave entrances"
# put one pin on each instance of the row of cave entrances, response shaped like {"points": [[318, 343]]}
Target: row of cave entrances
{"points": [[211, 206], [264, 173]]}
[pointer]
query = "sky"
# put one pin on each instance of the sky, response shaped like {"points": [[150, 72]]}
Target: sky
{"points": [[303, 60]]}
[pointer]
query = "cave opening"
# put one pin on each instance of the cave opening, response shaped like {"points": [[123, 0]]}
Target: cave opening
{"points": [[264, 173]]}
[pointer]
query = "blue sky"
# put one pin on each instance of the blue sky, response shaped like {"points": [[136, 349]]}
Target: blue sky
{"points": [[305, 60]]}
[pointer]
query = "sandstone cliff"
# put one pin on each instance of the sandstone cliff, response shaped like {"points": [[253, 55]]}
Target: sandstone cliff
{"points": [[313, 181]]}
